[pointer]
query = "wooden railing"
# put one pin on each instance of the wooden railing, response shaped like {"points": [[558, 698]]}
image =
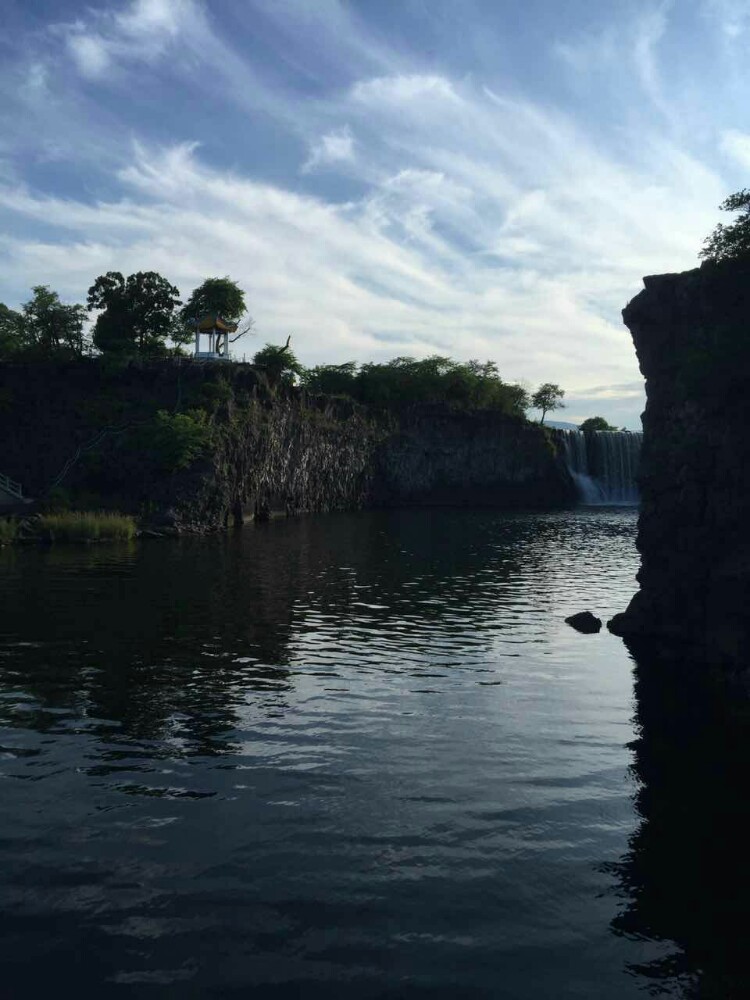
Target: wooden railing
{"points": [[11, 486]]}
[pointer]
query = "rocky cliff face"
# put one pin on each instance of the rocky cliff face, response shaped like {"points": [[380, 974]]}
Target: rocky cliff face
{"points": [[692, 335], [124, 438], [433, 455]]}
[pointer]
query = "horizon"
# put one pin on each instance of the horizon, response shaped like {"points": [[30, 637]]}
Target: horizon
{"points": [[385, 179]]}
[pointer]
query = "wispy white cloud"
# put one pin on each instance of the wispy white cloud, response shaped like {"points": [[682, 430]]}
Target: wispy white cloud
{"points": [[402, 90], [650, 29], [334, 148], [140, 32], [736, 145], [626, 47], [731, 16]]}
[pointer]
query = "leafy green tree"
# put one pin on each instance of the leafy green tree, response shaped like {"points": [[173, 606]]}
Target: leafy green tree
{"points": [[10, 332], [280, 364], [216, 296], [595, 424], [406, 380], [547, 398], [727, 242], [138, 313], [46, 328], [331, 380], [174, 441]]}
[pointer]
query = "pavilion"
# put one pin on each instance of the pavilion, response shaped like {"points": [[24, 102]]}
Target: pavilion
{"points": [[217, 329]]}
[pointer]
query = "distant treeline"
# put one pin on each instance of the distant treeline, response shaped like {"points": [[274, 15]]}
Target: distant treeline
{"points": [[141, 316]]}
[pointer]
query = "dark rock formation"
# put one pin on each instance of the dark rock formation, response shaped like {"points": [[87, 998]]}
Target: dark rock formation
{"points": [[584, 622], [434, 455], [692, 336], [112, 438]]}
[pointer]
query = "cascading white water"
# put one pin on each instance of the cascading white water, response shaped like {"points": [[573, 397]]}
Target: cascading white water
{"points": [[604, 465]]}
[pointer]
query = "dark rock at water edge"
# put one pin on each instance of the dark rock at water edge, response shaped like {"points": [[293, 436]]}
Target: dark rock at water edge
{"points": [[584, 622], [692, 335]]}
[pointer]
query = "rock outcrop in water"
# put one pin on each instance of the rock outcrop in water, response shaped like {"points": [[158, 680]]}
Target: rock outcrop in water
{"points": [[692, 336], [123, 438]]}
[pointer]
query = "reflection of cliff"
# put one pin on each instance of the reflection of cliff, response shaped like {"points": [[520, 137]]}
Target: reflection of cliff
{"points": [[166, 632], [692, 335], [686, 877], [173, 640]]}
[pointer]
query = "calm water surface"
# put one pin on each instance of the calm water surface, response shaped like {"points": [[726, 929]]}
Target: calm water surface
{"points": [[353, 755]]}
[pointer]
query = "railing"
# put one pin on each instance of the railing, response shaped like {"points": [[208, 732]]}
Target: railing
{"points": [[10, 486]]}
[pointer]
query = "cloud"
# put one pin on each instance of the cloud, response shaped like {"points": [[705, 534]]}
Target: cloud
{"points": [[403, 90], [731, 16], [622, 390], [628, 45], [736, 145], [141, 32], [90, 53], [333, 148]]}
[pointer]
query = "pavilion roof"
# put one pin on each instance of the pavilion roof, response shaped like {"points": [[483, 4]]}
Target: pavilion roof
{"points": [[212, 321]]}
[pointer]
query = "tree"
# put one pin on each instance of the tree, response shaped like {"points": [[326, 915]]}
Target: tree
{"points": [[331, 380], [548, 397], [595, 424], [280, 363], [137, 313], [46, 328], [10, 332], [728, 242], [216, 296]]}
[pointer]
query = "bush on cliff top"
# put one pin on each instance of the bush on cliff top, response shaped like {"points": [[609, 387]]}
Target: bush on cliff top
{"points": [[729, 242], [435, 379]]}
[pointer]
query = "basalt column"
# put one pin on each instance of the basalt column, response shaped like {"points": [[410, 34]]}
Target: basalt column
{"points": [[692, 336]]}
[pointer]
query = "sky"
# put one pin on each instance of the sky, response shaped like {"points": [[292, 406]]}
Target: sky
{"points": [[483, 179]]}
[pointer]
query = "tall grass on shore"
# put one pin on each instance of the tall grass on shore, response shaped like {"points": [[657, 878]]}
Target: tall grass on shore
{"points": [[8, 530], [86, 526]]}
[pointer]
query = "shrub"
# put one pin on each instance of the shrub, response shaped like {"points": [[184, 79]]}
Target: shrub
{"points": [[175, 440], [331, 380], [8, 530], [86, 526], [592, 424]]}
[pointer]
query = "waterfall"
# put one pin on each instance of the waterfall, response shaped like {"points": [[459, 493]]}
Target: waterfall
{"points": [[603, 465]]}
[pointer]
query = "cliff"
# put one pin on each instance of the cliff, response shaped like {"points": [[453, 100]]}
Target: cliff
{"points": [[692, 336], [192, 446]]}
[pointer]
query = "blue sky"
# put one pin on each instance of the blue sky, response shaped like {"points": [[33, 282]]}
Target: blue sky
{"points": [[483, 179]]}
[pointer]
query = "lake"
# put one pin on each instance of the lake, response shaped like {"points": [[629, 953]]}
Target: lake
{"points": [[359, 755]]}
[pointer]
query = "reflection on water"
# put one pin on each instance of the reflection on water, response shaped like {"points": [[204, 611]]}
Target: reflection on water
{"points": [[685, 879], [354, 754]]}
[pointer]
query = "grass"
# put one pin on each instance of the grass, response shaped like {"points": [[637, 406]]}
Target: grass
{"points": [[8, 530], [86, 526]]}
